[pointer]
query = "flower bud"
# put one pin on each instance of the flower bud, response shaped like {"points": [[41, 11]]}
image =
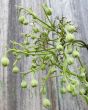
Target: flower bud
{"points": [[21, 19], [63, 90], [59, 47], [69, 37], [15, 69], [70, 28], [34, 83], [70, 61], [46, 103], [25, 22], [5, 61], [24, 84], [75, 54], [70, 88], [47, 10]]}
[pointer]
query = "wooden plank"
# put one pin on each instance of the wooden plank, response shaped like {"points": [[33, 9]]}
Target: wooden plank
{"points": [[74, 10], [12, 97], [22, 99], [31, 99], [3, 43]]}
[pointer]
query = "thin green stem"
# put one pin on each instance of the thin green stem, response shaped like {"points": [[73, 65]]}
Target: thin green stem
{"points": [[80, 62], [47, 16]]}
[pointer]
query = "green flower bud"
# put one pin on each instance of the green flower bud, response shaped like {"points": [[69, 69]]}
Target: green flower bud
{"points": [[59, 47], [82, 75], [21, 19], [15, 69], [24, 84], [46, 103], [69, 37], [63, 90], [32, 13], [75, 82], [33, 37], [34, 83], [36, 30], [47, 9], [70, 61], [69, 50], [70, 88], [25, 22], [43, 90], [70, 28], [5, 61], [75, 54]]}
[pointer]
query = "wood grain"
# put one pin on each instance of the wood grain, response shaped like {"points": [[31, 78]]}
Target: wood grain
{"points": [[12, 97]]}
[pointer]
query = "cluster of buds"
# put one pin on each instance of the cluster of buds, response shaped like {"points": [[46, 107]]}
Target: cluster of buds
{"points": [[58, 52]]}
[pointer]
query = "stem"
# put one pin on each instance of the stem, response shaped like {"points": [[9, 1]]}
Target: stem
{"points": [[55, 76], [84, 45], [47, 17], [36, 17], [20, 51], [80, 62], [16, 43]]}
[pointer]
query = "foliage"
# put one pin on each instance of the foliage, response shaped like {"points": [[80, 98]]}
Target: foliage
{"points": [[52, 45]]}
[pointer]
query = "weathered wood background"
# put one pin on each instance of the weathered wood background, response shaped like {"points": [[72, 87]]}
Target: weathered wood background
{"points": [[12, 97]]}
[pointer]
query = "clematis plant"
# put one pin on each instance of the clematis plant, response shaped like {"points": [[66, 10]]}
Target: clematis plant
{"points": [[52, 45]]}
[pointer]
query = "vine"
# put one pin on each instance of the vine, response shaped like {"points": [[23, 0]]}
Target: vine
{"points": [[51, 44]]}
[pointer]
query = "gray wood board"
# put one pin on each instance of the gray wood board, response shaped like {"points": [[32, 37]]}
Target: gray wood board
{"points": [[12, 97]]}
